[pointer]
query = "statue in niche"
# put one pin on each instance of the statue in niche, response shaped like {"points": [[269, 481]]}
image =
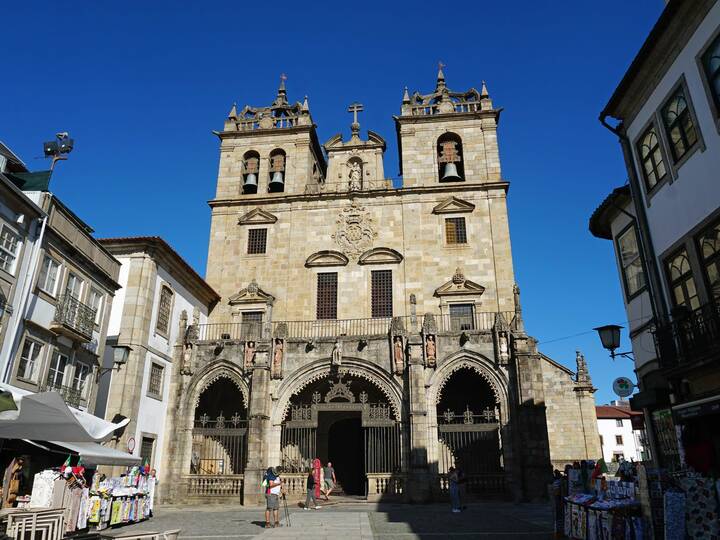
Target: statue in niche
{"points": [[430, 351], [337, 353], [399, 355], [355, 176], [503, 346], [249, 354], [278, 358]]}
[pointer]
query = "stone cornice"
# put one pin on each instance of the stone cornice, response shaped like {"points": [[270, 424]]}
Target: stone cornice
{"points": [[475, 115], [284, 198], [222, 135]]}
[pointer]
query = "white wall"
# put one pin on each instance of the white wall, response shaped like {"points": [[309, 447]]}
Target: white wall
{"points": [[119, 300], [608, 430]]}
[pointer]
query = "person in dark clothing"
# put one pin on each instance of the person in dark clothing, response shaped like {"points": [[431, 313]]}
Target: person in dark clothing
{"points": [[311, 492]]}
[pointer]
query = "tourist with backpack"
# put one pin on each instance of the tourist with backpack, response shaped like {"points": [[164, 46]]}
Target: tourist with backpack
{"points": [[272, 483]]}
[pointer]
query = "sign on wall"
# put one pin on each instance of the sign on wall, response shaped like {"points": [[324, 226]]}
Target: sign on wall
{"points": [[623, 387]]}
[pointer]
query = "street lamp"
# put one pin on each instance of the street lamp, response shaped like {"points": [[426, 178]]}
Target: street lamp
{"points": [[610, 339], [120, 358]]}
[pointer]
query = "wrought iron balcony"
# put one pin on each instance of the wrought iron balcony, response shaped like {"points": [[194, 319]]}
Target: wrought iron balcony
{"points": [[74, 318], [71, 396], [689, 337]]}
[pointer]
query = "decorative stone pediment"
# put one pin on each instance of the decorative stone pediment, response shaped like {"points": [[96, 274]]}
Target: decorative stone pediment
{"points": [[453, 205], [326, 257], [459, 286], [252, 294], [380, 255], [257, 217]]}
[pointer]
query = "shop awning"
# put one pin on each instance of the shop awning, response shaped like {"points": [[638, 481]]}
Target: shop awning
{"points": [[46, 417], [95, 454]]}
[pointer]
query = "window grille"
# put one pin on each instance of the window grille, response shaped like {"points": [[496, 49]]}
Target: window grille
{"points": [[257, 241], [455, 232], [163, 318], [326, 295], [156, 379], [679, 124], [381, 293], [651, 156]]}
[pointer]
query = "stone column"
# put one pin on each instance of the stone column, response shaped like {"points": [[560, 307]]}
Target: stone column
{"points": [[418, 489], [258, 425]]}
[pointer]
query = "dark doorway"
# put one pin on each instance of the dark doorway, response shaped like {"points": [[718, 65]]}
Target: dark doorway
{"points": [[346, 451]]}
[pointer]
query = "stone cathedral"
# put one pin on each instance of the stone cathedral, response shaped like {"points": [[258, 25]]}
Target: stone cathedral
{"points": [[375, 325]]}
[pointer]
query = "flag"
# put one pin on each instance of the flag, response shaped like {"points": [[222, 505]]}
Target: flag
{"points": [[146, 466], [67, 462], [603, 465]]}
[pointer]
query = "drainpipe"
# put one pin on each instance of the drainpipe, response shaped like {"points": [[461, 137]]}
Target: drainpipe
{"points": [[657, 299]]}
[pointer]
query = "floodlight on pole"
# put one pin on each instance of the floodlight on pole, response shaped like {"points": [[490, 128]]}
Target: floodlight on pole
{"points": [[58, 150]]}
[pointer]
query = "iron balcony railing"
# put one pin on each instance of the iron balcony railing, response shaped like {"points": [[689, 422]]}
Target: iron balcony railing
{"points": [[689, 336], [72, 396], [75, 315], [332, 328]]}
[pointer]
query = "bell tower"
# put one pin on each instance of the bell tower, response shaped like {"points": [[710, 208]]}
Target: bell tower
{"points": [[447, 136], [272, 150]]}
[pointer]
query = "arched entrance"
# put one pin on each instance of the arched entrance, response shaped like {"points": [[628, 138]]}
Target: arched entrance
{"points": [[344, 419], [469, 435]]}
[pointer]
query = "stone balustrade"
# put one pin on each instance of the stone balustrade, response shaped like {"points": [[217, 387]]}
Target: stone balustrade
{"points": [[385, 485], [228, 487]]}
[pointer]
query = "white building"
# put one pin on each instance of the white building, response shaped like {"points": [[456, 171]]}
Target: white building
{"points": [[160, 293], [619, 437]]}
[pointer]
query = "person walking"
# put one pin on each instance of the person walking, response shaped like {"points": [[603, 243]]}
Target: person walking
{"points": [[454, 490], [273, 487], [329, 479], [310, 501]]}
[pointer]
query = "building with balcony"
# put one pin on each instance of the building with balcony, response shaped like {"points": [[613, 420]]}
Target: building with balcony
{"points": [[664, 224], [64, 305], [368, 322]]}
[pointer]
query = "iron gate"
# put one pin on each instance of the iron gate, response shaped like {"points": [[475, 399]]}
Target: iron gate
{"points": [[219, 447]]}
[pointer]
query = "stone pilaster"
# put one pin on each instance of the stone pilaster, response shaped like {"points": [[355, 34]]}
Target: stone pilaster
{"points": [[418, 478], [258, 425]]}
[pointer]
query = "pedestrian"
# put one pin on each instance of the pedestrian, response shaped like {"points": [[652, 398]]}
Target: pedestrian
{"points": [[329, 479], [462, 488], [273, 487], [454, 490], [311, 491]]}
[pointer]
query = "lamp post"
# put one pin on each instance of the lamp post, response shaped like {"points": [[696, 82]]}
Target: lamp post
{"points": [[610, 338], [120, 358]]}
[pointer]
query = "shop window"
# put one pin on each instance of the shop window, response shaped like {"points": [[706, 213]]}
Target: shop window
{"points": [[711, 69], [257, 241], [682, 283], [651, 157], [164, 308], [381, 293], [709, 247], [29, 363], [155, 383], [9, 248], [326, 307], [455, 232], [679, 124], [461, 317], [48, 278]]}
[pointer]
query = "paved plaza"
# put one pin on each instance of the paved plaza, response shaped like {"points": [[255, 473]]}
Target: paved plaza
{"points": [[355, 522]]}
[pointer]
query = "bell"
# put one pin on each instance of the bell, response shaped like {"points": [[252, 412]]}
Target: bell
{"points": [[277, 180], [451, 173], [251, 180]]}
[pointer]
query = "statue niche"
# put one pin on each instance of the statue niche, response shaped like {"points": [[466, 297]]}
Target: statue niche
{"points": [[355, 172]]}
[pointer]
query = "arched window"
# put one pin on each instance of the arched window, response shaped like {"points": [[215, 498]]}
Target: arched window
{"points": [[450, 158], [276, 181], [251, 168]]}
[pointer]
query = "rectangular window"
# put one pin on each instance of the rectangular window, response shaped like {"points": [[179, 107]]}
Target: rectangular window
{"points": [[164, 307], [682, 283], [618, 439], [147, 445], [455, 231], [9, 247], [156, 380], [48, 278], [29, 359], [618, 423], [73, 287], [461, 317], [381, 293], [95, 301], [630, 261], [56, 374], [709, 248], [326, 295], [257, 241], [651, 158], [711, 68], [679, 124], [80, 380]]}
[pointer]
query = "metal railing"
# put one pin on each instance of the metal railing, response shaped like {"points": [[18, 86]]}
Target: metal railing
{"points": [[72, 396], [332, 328], [77, 316], [689, 336]]}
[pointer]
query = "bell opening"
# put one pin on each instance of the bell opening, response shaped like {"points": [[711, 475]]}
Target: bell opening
{"points": [[250, 184], [451, 174], [277, 183]]}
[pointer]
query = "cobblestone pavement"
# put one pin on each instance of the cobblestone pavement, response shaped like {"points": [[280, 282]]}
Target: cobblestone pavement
{"points": [[354, 522]]}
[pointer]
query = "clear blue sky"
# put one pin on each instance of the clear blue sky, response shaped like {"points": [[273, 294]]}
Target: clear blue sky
{"points": [[140, 86]]}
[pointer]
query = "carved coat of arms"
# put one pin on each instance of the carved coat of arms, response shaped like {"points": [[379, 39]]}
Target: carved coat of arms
{"points": [[355, 230]]}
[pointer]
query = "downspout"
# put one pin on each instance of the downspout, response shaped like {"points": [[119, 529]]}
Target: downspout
{"points": [[657, 299], [25, 298]]}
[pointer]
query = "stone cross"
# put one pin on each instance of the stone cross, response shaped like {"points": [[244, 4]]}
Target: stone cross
{"points": [[355, 108]]}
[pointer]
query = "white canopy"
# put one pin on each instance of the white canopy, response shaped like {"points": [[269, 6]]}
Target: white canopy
{"points": [[94, 454], [46, 417]]}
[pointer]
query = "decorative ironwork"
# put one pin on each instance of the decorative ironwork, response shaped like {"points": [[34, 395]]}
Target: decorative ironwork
{"points": [[300, 412], [204, 419], [340, 390], [71, 396], [316, 397], [72, 313], [220, 421], [363, 396], [449, 415], [379, 411], [468, 416], [235, 419]]}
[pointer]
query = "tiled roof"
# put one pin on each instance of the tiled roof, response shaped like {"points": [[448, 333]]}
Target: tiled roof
{"points": [[611, 411]]}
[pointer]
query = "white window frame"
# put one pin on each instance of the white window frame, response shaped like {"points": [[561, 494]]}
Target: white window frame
{"points": [[12, 254], [81, 384], [53, 371], [80, 281], [45, 273], [34, 359], [101, 303]]}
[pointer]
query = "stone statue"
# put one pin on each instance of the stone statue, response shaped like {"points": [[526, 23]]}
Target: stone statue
{"points": [[355, 176], [430, 351], [277, 358], [503, 346], [337, 353], [249, 354], [399, 355]]}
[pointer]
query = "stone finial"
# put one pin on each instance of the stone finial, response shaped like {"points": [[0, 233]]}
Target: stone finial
{"points": [[440, 78], [233, 111], [485, 101], [458, 277], [583, 375], [484, 91], [282, 92], [406, 96], [305, 106], [355, 108]]}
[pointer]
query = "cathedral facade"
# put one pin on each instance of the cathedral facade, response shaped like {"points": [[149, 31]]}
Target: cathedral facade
{"points": [[373, 325]]}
